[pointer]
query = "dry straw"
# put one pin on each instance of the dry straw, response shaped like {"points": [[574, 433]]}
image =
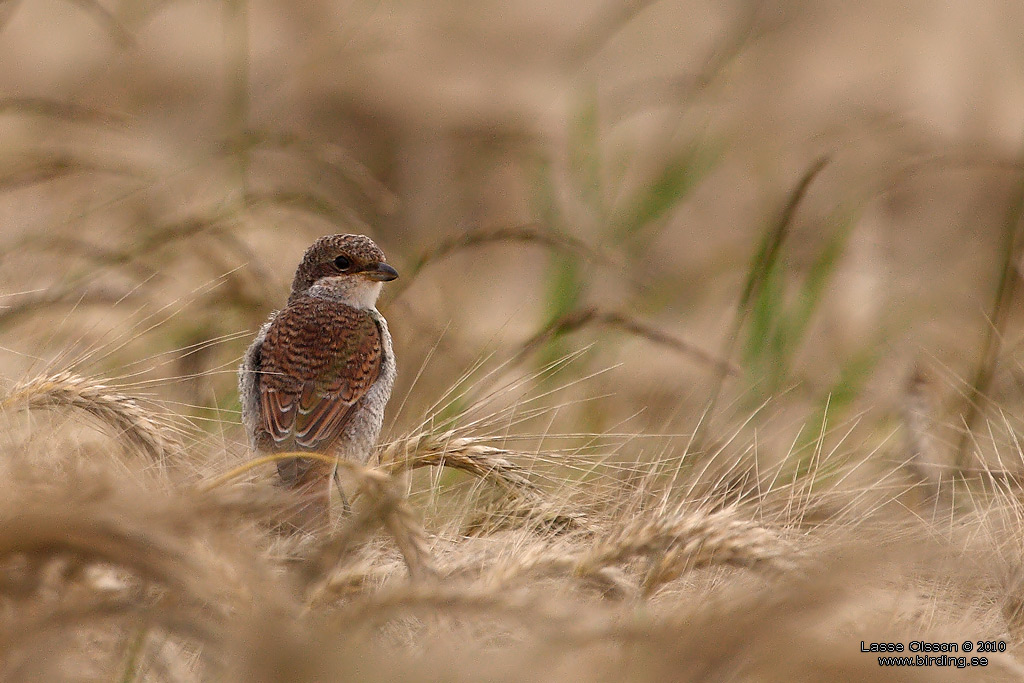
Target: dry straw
{"points": [[531, 607], [524, 500], [527, 233], [468, 454], [121, 413], [686, 541], [88, 551], [922, 458], [673, 544], [593, 316], [387, 506]]}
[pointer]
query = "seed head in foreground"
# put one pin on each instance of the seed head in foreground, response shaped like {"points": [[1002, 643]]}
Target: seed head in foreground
{"points": [[320, 371]]}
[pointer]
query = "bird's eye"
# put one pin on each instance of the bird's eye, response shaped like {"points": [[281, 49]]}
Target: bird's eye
{"points": [[343, 263]]}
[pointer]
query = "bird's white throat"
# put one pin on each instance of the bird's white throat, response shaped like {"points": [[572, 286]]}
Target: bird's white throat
{"points": [[357, 293]]}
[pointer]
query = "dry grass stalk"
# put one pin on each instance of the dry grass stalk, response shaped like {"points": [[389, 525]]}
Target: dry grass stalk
{"points": [[760, 268], [52, 541], [530, 233], [151, 238], [387, 506], [918, 413], [84, 554], [530, 511], [122, 413], [527, 233], [524, 500], [67, 111], [352, 581], [330, 155], [593, 316], [344, 218], [41, 534], [88, 519], [33, 303], [685, 541], [1012, 606], [53, 166], [674, 544], [995, 331], [530, 607], [462, 453], [170, 618], [109, 22], [542, 561]]}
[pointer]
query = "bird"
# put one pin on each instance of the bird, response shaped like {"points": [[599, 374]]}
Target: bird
{"points": [[320, 371]]}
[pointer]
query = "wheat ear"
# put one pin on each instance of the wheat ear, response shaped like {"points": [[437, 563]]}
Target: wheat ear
{"points": [[118, 411]]}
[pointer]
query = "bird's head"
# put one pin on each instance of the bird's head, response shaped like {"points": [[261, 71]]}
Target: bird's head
{"points": [[350, 268]]}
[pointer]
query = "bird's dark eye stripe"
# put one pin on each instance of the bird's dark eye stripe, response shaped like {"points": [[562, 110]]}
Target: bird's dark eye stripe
{"points": [[342, 263]]}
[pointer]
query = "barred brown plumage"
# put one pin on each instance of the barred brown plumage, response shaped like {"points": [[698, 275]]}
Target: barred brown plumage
{"points": [[319, 359], [320, 371]]}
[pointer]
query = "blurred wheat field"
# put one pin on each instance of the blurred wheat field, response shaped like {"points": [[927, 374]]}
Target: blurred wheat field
{"points": [[708, 333]]}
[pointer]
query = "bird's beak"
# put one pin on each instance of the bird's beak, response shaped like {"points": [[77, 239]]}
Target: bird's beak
{"points": [[381, 272]]}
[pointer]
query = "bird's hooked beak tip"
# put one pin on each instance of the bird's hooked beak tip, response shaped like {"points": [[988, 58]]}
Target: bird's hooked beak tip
{"points": [[381, 272]]}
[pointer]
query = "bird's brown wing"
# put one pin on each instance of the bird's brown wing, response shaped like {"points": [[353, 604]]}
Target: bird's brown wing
{"points": [[318, 360]]}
